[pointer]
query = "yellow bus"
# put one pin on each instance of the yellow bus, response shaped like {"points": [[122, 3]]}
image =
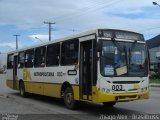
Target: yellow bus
{"points": [[102, 66]]}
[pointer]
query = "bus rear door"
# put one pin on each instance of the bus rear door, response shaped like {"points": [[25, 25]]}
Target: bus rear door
{"points": [[15, 66]]}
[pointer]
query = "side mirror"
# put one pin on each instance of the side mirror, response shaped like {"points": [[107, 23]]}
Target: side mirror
{"points": [[99, 46]]}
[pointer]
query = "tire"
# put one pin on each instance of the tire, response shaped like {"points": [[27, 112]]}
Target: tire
{"points": [[22, 89], [69, 101], [109, 104]]}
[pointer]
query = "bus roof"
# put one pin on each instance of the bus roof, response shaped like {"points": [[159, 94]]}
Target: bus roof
{"points": [[78, 35]]}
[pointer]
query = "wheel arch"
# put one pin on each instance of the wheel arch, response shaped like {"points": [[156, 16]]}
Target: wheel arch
{"points": [[64, 86]]}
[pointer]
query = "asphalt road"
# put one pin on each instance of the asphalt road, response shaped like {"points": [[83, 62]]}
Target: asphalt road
{"points": [[41, 107]]}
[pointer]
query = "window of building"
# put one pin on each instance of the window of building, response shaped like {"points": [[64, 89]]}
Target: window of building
{"points": [[40, 57], [21, 60], [10, 61], [52, 57], [29, 58], [69, 53]]}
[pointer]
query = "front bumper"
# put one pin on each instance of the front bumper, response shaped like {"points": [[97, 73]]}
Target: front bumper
{"points": [[122, 97]]}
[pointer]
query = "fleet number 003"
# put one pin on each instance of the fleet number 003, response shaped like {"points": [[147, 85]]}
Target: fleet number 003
{"points": [[117, 87]]}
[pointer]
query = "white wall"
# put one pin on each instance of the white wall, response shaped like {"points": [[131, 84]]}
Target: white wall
{"points": [[152, 52]]}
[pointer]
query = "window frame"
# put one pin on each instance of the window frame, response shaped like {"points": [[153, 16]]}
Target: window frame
{"points": [[76, 41], [23, 59], [35, 59], [10, 66], [27, 52], [55, 45]]}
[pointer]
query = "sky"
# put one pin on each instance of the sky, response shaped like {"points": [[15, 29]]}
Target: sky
{"points": [[26, 18]]}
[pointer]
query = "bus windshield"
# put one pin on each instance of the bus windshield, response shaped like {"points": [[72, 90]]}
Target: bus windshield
{"points": [[123, 59]]}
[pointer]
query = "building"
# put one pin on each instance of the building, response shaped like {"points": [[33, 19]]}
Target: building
{"points": [[154, 52]]}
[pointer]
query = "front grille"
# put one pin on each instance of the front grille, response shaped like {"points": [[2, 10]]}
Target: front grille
{"points": [[119, 90], [125, 97], [125, 82], [132, 89]]}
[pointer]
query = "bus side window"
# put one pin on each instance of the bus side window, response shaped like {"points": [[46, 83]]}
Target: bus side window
{"points": [[29, 56], [10, 61], [53, 53], [40, 56], [69, 52], [21, 60]]}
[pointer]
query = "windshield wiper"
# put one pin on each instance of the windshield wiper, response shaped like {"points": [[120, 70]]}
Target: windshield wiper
{"points": [[120, 49], [125, 51], [131, 49], [116, 43]]}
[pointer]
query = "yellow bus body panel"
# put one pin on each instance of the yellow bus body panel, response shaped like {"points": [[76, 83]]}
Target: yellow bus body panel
{"points": [[48, 89]]}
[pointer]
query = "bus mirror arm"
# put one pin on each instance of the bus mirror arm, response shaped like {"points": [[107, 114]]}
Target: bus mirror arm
{"points": [[98, 56], [99, 46]]}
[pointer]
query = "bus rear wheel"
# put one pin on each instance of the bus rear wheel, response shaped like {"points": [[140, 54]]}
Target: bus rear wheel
{"points": [[109, 104], [22, 89], [69, 98]]}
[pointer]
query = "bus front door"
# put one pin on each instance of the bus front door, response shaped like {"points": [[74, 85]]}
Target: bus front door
{"points": [[85, 70], [15, 66]]}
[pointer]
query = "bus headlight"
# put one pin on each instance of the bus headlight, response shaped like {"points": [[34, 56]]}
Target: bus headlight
{"points": [[108, 91], [144, 89]]}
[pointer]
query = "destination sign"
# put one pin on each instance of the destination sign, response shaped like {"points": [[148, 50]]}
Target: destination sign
{"points": [[120, 35]]}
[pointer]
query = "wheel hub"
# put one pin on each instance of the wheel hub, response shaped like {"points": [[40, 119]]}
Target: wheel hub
{"points": [[69, 98]]}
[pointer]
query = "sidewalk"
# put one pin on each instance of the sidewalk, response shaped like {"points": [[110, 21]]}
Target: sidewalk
{"points": [[154, 85]]}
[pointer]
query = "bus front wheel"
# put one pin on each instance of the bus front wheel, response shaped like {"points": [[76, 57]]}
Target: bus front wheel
{"points": [[109, 104], [22, 89], [69, 98]]}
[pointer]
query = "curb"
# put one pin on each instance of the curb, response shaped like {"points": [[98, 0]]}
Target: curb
{"points": [[154, 85]]}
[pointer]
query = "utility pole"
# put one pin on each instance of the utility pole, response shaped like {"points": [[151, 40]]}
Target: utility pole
{"points": [[49, 24], [16, 40]]}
